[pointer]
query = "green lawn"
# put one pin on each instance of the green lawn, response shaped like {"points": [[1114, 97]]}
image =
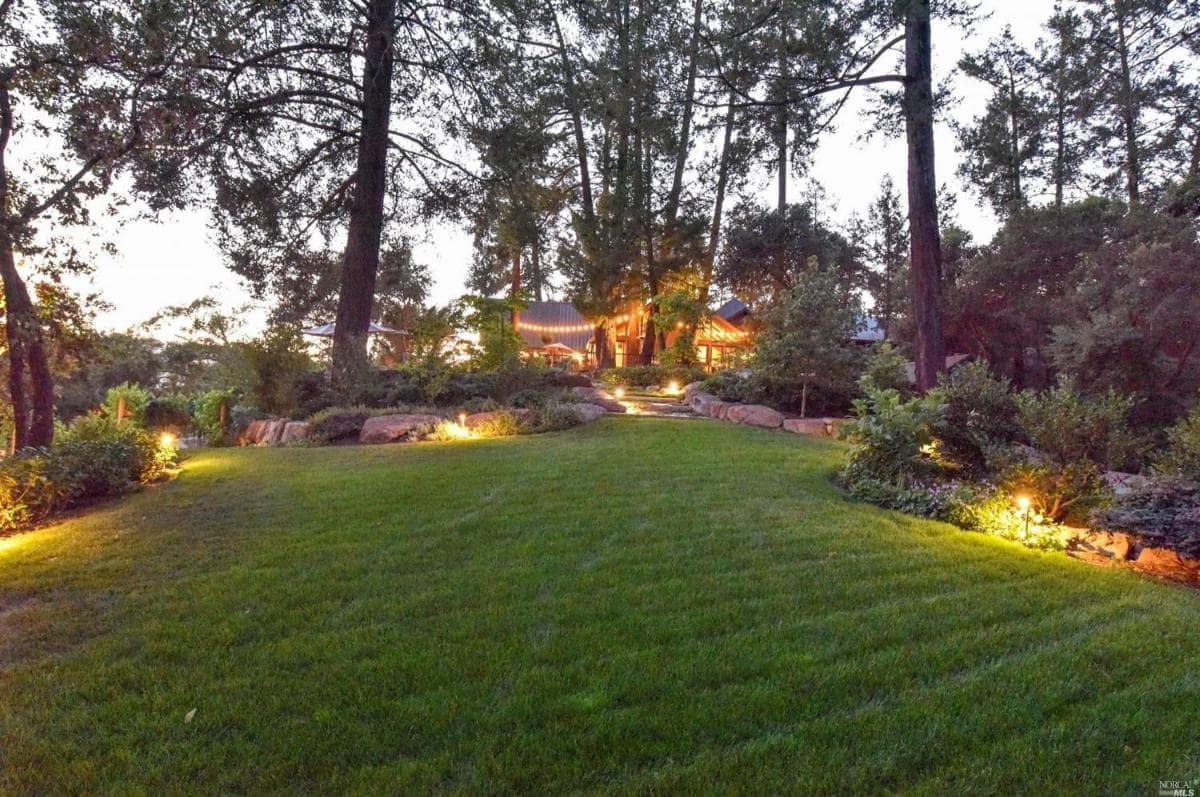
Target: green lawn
{"points": [[638, 606]]}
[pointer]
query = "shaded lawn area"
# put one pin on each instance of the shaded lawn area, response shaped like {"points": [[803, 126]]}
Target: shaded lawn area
{"points": [[641, 605]]}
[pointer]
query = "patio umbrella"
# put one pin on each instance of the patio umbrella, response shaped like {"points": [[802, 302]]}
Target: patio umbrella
{"points": [[558, 349], [326, 330]]}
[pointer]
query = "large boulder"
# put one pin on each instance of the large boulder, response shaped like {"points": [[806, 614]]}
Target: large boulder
{"points": [[817, 427], [525, 417], [588, 411], [1165, 563], [1124, 483], [755, 415], [253, 432], [691, 389], [1110, 544], [294, 431], [698, 401], [272, 432], [600, 398], [393, 428]]}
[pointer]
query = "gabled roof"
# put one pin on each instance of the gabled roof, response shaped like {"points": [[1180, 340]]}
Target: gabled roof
{"points": [[541, 323], [733, 310]]}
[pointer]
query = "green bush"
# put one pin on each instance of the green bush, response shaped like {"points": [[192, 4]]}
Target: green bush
{"points": [[1068, 427], [208, 416], [502, 424], [93, 458], [992, 510], [1164, 514], [651, 375], [1060, 492], [980, 414], [1182, 455], [137, 399], [169, 413], [557, 416], [893, 439], [885, 369]]}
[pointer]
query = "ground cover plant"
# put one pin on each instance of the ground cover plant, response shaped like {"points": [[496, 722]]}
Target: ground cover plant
{"points": [[613, 609]]}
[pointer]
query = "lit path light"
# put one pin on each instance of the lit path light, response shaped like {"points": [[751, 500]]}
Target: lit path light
{"points": [[1023, 503], [167, 440], [619, 392], [673, 388]]}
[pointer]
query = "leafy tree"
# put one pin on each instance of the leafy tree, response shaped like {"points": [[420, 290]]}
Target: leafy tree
{"points": [[331, 118], [491, 319], [805, 336], [766, 253], [1129, 324], [1009, 296], [87, 88]]}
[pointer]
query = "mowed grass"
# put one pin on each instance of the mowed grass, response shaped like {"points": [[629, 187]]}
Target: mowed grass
{"points": [[641, 605]]}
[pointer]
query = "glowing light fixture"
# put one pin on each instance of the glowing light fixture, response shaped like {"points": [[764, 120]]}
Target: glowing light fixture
{"points": [[619, 392], [462, 420], [1023, 502], [673, 388], [166, 440]]}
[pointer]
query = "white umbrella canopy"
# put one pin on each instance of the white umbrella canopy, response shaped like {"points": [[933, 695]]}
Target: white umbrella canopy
{"points": [[326, 330]]}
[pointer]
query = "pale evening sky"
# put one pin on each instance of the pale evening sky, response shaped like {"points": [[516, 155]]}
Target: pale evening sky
{"points": [[173, 260]]}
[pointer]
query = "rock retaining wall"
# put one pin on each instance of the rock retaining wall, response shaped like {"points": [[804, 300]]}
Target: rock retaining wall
{"points": [[709, 405]]}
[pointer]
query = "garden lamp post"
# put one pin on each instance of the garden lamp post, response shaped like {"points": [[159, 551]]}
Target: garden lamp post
{"points": [[1023, 502]]}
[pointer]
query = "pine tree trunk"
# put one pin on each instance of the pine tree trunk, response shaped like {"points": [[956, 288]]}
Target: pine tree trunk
{"points": [[924, 236], [782, 120], [714, 230], [1129, 118], [360, 262]]}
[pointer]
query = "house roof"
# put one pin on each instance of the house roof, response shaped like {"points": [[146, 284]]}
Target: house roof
{"points": [[733, 309], [541, 323]]}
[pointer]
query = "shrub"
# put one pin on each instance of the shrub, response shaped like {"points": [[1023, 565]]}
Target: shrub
{"points": [[980, 414], [885, 369], [208, 416], [1166, 513], [557, 416], [991, 510], [169, 413], [651, 375], [1182, 455], [1059, 491], [136, 400], [93, 458], [892, 439], [27, 493], [501, 424], [474, 405], [1069, 426]]}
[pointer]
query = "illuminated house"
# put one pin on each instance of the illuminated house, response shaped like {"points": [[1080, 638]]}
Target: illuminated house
{"points": [[550, 328]]}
